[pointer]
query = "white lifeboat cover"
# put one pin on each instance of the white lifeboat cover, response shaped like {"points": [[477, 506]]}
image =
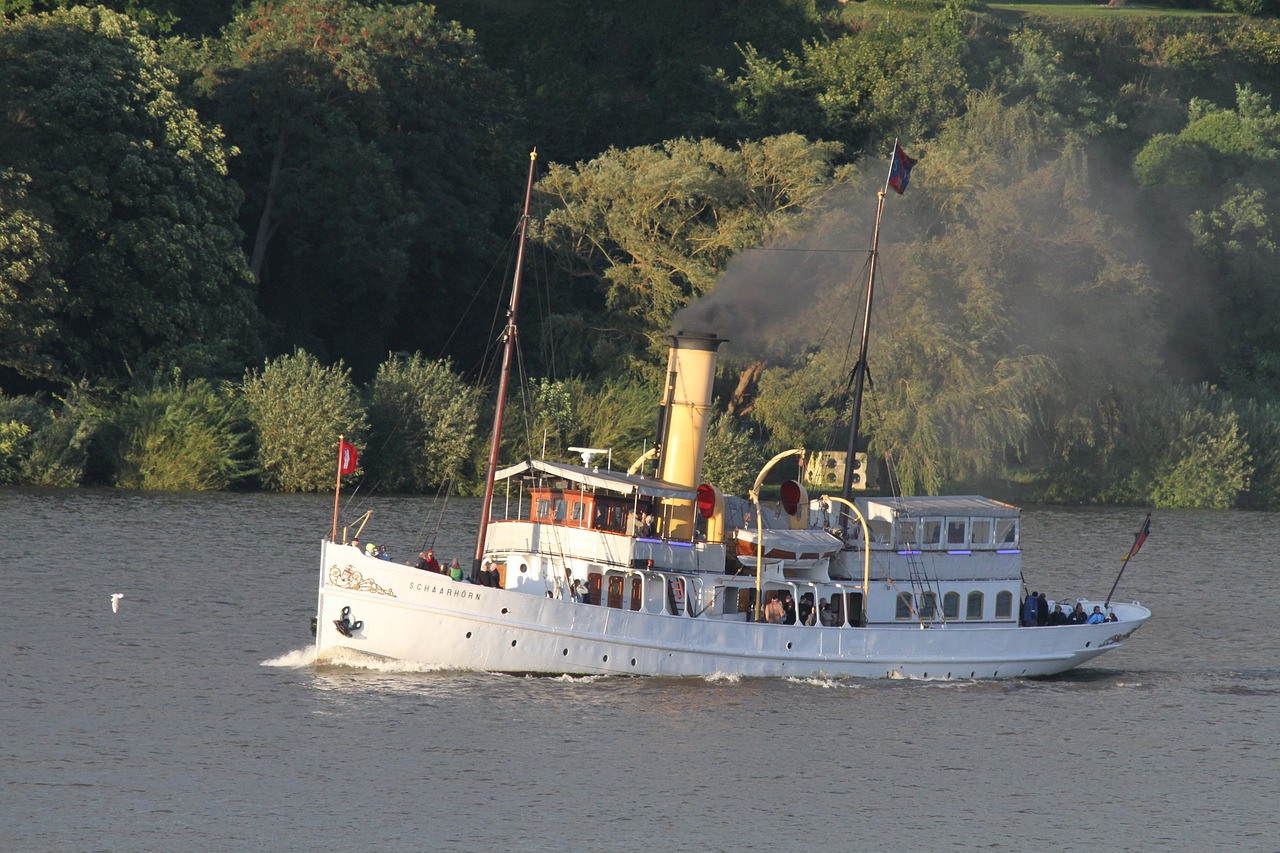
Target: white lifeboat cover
{"points": [[810, 543]]}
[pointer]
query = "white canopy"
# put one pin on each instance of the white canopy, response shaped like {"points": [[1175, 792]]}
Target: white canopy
{"points": [[614, 481]]}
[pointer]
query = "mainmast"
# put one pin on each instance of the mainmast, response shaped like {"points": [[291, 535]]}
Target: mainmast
{"points": [[899, 173], [509, 343]]}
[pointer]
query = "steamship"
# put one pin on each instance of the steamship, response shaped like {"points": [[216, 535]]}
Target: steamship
{"points": [[595, 571]]}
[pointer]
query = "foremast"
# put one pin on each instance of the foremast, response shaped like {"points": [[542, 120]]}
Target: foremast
{"points": [[508, 348], [899, 168]]}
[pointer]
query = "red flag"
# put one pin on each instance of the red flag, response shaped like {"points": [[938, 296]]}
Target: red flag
{"points": [[1139, 538], [900, 170], [347, 458]]}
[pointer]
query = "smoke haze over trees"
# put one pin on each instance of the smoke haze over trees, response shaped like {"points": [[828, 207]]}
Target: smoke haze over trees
{"points": [[1075, 294]]}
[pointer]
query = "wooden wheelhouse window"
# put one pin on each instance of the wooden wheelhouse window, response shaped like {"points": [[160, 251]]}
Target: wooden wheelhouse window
{"points": [[973, 607], [903, 606], [544, 509], [1004, 604], [951, 605], [637, 589]]}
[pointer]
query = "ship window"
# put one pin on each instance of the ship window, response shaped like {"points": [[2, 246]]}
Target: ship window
{"points": [[561, 507], [928, 605], [951, 605], [544, 508], [1007, 531], [636, 590], [956, 530], [729, 595], [903, 610], [906, 532], [980, 531], [931, 531], [973, 609], [1004, 604], [855, 609], [578, 507]]}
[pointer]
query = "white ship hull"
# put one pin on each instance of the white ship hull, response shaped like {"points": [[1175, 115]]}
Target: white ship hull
{"points": [[425, 618]]}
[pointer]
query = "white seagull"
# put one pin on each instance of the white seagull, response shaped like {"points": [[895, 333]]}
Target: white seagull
{"points": [[115, 601]]}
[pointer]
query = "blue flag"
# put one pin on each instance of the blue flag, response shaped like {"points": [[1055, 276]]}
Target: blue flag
{"points": [[900, 171]]}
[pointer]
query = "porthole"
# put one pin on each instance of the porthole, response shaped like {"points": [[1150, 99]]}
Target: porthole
{"points": [[513, 644], [1088, 644], [633, 661], [606, 658], [523, 568], [788, 645], [505, 611], [468, 635], [564, 652]]}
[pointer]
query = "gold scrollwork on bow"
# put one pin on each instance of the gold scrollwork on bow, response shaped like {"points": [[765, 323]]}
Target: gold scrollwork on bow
{"points": [[348, 578]]}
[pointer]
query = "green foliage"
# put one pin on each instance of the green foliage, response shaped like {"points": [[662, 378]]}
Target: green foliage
{"points": [[120, 235], [655, 227], [733, 458], [422, 418], [30, 290], [298, 409], [42, 445], [1216, 181], [890, 78], [177, 435], [374, 159]]}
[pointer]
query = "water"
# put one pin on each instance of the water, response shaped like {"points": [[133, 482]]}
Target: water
{"points": [[193, 719]]}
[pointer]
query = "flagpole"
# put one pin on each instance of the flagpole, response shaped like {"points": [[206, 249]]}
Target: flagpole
{"points": [[337, 489], [860, 369], [1138, 539]]}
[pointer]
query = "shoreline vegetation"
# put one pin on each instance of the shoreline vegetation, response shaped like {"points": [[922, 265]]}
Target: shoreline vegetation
{"points": [[230, 233]]}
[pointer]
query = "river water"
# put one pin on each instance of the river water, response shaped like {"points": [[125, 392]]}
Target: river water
{"points": [[193, 718]]}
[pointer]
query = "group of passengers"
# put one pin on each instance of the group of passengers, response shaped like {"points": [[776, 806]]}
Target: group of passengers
{"points": [[428, 563], [1036, 613], [781, 609]]}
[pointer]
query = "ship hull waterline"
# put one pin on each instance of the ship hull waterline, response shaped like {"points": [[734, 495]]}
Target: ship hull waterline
{"points": [[422, 618]]}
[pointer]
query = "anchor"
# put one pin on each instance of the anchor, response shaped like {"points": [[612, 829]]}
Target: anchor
{"points": [[344, 625]]}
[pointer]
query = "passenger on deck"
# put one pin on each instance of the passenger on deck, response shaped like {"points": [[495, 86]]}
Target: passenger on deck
{"points": [[383, 553], [1112, 617], [1097, 617], [455, 570], [1078, 616], [422, 561], [1057, 617], [1029, 610], [808, 615], [774, 612], [789, 609], [1042, 610], [825, 616]]}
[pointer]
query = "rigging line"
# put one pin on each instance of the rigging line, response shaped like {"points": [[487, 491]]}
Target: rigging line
{"points": [[475, 296]]}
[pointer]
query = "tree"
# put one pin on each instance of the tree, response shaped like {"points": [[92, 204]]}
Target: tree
{"points": [[298, 409], [422, 419], [123, 249], [1216, 182], [654, 228], [373, 161], [180, 435]]}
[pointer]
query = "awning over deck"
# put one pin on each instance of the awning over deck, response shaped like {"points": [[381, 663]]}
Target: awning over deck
{"points": [[613, 481]]}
